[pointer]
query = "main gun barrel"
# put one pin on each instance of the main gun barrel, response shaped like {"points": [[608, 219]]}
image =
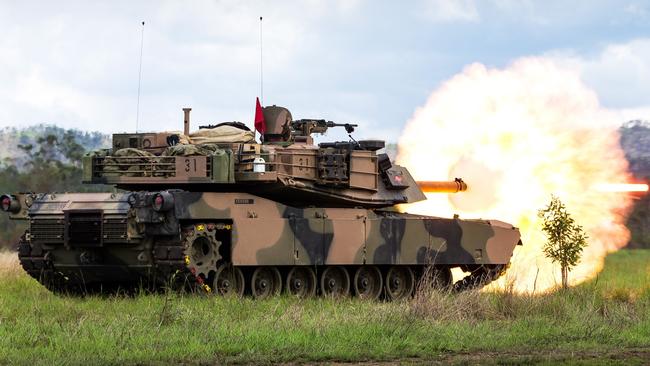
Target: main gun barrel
{"points": [[454, 186]]}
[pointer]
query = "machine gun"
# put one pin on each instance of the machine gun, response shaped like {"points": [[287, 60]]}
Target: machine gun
{"points": [[305, 127]]}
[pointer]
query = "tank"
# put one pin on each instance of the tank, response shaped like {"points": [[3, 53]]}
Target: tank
{"points": [[217, 211]]}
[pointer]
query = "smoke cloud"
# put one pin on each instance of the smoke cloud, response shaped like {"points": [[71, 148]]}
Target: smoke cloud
{"points": [[516, 136]]}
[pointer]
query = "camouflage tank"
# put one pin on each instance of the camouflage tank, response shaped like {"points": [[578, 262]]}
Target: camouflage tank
{"points": [[218, 211]]}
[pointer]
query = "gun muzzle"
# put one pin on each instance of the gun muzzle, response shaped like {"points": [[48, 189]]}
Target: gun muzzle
{"points": [[453, 186]]}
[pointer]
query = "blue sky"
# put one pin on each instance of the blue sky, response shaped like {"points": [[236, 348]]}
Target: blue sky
{"points": [[76, 63]]}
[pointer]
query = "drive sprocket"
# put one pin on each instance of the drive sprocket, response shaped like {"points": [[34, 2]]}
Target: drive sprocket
{"points": [[201, 249]]}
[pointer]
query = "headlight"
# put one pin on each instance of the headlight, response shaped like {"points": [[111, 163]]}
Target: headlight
{"points": [[163, 201], [29, 200], [9, 203]]}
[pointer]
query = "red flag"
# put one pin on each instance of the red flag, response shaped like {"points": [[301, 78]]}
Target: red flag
{"points": [[260, 123]]}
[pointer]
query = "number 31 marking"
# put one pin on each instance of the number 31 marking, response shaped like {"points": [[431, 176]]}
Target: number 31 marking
{"points": [[188, 165]]}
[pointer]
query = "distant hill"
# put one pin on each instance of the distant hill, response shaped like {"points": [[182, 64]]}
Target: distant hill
{"points": [[635, 141], [11, 138]]}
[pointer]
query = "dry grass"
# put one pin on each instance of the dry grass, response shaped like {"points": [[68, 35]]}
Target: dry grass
{"points": [[9, 264], [618, 298], [588, 309]]}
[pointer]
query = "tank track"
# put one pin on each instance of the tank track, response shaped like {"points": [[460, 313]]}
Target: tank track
{"points": [[480, 278], [36, 263], [171, 271], [171, 267], [32, 261]]}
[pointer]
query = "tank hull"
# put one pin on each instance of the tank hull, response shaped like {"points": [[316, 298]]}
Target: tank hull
{"points": [[83, 242]]}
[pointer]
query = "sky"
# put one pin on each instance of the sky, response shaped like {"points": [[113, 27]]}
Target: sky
{"points": [[76, 63]]}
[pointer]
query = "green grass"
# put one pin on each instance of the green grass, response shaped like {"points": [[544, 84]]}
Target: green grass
{"points": [[605, 321], [628, 269]]}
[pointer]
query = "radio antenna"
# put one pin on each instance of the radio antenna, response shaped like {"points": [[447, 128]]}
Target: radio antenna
{"points": [[261, 67], [137, 108]]}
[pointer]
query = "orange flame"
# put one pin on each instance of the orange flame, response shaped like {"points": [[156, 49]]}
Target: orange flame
{"points": [[517, 136]]}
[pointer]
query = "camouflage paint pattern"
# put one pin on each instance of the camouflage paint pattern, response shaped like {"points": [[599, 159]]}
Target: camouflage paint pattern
{"points": [[263, 233]]}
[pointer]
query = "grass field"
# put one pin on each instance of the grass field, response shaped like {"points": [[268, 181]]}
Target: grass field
{"points": [[606, 321]]}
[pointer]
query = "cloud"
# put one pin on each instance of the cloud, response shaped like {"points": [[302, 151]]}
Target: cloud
{"points": [[76, 63], [630, 114], [443, 11], [620, 73], [637, 10]]}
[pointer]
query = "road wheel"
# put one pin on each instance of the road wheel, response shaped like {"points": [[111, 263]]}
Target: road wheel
{"points": [[266, 282], [335, 282], [229, 281], [400, 282], [301, 282], [368, 282]]}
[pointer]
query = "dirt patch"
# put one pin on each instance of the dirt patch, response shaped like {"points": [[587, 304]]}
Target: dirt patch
{"points": [[631, 356], [623, 356], [9, 263]]}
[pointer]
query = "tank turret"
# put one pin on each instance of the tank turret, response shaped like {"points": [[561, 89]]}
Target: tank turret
{"points": [[296, 172]]}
